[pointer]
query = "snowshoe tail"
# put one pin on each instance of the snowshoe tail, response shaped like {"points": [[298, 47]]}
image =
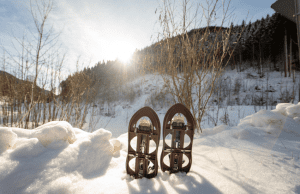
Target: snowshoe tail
{"points": [[177, 150], [141, 155]]}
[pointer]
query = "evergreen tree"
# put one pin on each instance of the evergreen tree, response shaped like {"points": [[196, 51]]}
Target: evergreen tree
{"points": [[232, 27], [262, 38], [249, 26], [268, 20], [243, 24]]}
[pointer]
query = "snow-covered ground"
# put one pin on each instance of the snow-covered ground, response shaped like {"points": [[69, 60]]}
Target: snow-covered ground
{"points": [[251, 86], [257, 152], [260, 155]]}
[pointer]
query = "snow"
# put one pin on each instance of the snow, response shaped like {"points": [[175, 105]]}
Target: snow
{"points": [[257, 152], [54, 131], [241, 103], [7, 139], [212, 131], [293, 110], [259, 155], [266, 120]]}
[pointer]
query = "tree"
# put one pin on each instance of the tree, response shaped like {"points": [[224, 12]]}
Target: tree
{"points": [[243, 23], [232, 27], [38, 53], [259, 34], [252, 41], [193, 61], [249, 26], [45, 42]]}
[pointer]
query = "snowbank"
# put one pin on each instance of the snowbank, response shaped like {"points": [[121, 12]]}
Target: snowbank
{"points": [[282, 122], [293, 110], [90, 154], [212, 131], [117, 145], [7, 138], [53, 156], [242, 134], [55, 131], [272, 120], [288, 109], [269, 121]]}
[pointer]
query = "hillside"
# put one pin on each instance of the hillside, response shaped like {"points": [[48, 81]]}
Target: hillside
{"points": [[260, 45], [13, 87], [242, 94]]}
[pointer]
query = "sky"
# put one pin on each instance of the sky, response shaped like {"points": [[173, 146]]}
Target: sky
{"points": [[97, 30]]}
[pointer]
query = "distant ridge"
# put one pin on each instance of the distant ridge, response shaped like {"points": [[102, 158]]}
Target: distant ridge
{"points": [[9, 84]]}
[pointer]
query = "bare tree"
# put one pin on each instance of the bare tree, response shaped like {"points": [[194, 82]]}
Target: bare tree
{"points": [[37, 54], [45, 41], [192, 61]]}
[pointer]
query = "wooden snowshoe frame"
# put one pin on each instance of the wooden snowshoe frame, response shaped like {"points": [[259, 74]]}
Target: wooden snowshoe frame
{"points": [[173, 151], [143, 158]]}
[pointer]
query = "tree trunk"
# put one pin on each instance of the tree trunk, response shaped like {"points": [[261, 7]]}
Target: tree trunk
{"points": [[253, 52], [286, 55], [291, 58], [240, 60], [260, 62]]}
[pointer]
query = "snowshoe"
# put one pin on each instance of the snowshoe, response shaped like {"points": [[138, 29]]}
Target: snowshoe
{"points": [[177, 151], [145, 132]]}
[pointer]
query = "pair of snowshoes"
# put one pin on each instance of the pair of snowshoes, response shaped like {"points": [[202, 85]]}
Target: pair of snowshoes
{"points": [[172, 155]]}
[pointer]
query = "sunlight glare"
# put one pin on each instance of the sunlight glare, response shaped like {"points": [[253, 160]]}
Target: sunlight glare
{"points": [[125, 51]]}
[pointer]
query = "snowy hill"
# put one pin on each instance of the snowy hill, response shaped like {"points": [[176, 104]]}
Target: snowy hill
{"points": [[260, 155]]}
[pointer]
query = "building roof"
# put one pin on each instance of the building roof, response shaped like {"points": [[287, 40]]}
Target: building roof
{"points": [[285, 8]]}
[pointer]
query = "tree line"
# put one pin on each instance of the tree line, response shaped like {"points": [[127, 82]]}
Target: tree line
{"points": [[259, 41]]}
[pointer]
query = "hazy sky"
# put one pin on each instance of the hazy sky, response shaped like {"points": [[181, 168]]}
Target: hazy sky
{"points": [[100, 30]]}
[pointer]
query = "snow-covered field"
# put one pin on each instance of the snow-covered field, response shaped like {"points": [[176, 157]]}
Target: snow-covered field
{"points": [[260, 155], [255, 153]]}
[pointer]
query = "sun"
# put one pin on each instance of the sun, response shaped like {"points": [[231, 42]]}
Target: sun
{"points": [[125, 51]]}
